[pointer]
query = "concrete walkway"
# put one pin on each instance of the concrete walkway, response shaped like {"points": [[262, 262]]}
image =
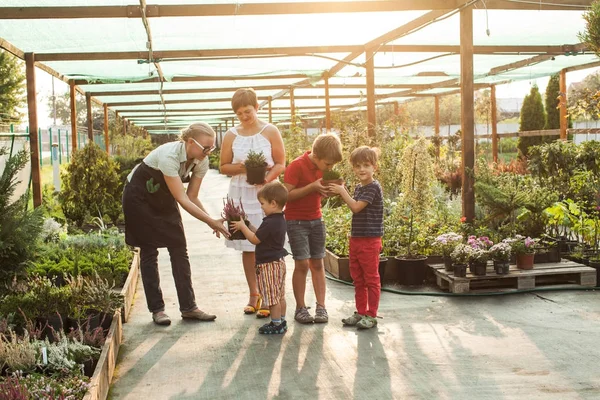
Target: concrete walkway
{"points": [[526, 346]]}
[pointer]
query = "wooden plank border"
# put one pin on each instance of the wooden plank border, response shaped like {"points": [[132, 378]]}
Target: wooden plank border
{"points": [[103, 374]]}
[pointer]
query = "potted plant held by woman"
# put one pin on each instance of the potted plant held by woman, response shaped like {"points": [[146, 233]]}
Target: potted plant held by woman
{"points": [[460, 257], [256, 167], [500, 254], [445, 244], [231, 212]]}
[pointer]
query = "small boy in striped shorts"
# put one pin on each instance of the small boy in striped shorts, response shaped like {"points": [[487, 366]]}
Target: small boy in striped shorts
{"points": [[269, 239]]}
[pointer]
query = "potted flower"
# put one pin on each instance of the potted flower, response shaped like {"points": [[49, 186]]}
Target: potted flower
{"points": [[445, 244], [256, 167], [232, 212], [478, 260], [524, 249], [500, 254], [460, 256]]}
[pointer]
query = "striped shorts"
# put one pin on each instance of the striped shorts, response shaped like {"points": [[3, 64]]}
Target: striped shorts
{"points": [[271, 281]]}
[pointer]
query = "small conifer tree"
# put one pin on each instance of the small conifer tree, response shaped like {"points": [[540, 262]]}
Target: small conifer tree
{"points": [[533, 118]]}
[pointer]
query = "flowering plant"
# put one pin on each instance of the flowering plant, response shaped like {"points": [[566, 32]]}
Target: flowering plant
{"points": [[500, 251], [479, 255], [461, 254], [446, 242], [231, 212], [482, 242], [522, 245]]}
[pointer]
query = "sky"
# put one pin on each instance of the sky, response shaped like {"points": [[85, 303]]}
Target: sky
{"points": [[511, 90]]}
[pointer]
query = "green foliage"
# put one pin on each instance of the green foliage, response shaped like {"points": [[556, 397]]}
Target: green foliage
{"points": [[214, 160], [19, 227], [255, 159], [338, 221], [591, 35], [296, 142], [552, 102], [533, 118], [131, 147], [553, 165], [12, 87], [417, 176], [331, 175], [91, 186]]}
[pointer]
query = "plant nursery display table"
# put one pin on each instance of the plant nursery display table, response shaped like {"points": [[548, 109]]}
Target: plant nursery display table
{"points": [[564, 273]]}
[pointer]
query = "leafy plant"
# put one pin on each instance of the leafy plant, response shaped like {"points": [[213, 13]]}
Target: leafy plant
{"points": [[521, 244], [446, 242], [501, 251], [591, 35], [255, 159], [338, 221], [231, 212], [19, 227], [331, 175], [90, 185], [461, 254]]}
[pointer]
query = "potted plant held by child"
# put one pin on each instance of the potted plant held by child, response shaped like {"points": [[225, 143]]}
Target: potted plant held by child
{"points": [[231, 212], [256, 167], [460, 257], [445, 244], [332, 176]]}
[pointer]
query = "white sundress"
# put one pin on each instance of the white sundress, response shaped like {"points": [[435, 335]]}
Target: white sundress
{"points": [[240, 189]]}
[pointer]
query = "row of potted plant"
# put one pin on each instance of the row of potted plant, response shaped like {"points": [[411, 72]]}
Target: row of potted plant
{"points": [[477, 251]]}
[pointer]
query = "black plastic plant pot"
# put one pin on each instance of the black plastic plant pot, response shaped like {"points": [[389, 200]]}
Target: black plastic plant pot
{"points": [[238, 235], [256, 175], [382, 263], [501, 267], [479, 268], [413, 270], [460, 270]]}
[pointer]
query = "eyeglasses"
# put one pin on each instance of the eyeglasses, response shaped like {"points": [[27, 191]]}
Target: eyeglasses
{"points": [[205, 150]]}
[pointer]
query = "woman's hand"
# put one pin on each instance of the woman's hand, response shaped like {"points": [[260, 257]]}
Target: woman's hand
{"points": [[218, 227]]}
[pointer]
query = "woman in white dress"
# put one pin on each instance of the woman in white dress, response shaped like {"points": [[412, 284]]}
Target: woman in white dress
{"points": [[251, 134]]}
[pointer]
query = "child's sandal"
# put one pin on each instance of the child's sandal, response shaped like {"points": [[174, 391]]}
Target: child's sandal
{"points": [[250, 309]]}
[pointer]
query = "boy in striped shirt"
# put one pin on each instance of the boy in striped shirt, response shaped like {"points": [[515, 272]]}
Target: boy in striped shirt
{"points": [[365, 237]]}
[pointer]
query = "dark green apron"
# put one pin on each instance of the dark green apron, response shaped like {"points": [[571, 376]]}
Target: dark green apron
{"points": [[152, 217]]}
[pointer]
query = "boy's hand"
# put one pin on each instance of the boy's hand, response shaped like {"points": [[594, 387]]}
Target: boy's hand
{"points": [[317, 186], [236, 225], [336, 189]]}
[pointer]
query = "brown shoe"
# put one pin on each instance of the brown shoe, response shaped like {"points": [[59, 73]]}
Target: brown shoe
{"points": [[160, 318], [198, 314]]}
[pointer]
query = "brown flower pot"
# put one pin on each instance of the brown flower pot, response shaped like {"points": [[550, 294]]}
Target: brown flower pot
{"points": [[338, 181], [525, 261], [256, 175]]}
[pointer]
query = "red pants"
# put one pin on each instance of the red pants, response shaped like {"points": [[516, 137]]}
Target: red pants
{"points": [[364, 269]]}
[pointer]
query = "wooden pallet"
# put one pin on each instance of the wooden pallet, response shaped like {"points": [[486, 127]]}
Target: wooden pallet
{"points": [[564, 272]]}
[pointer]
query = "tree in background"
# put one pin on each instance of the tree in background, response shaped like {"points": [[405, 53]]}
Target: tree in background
{"points": [[533, 118], [483, 108], [63, 110], [12, 87], [583, 98], [422, 111], [552, 103]]}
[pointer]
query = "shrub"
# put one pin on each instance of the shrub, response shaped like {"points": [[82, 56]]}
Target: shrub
{"points": [[90, 186], [19, 227]]}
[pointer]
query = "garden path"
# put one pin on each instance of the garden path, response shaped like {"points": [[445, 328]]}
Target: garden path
{"points": [[529, 346]]}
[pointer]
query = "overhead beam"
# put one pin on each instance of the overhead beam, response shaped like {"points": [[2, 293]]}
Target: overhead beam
{"points": [[237, 9], [200, 78], [300, 51]]}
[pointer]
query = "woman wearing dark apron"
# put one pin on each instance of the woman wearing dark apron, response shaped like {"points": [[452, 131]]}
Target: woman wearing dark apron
{"points": [[152, 217]]}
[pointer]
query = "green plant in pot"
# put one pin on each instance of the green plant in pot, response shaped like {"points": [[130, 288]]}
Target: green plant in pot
{"points": [[233, 212], [256, 167], [332, 176], [417, 194]]}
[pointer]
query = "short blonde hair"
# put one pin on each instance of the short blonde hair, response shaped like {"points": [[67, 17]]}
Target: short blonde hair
{"points": [[364, 154], [195, 130], [274, 191], [244, 97], [327, 146]]}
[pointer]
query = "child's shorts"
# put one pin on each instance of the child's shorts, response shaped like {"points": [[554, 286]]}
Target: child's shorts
{"points": [[271, 282], [307, 239]]}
